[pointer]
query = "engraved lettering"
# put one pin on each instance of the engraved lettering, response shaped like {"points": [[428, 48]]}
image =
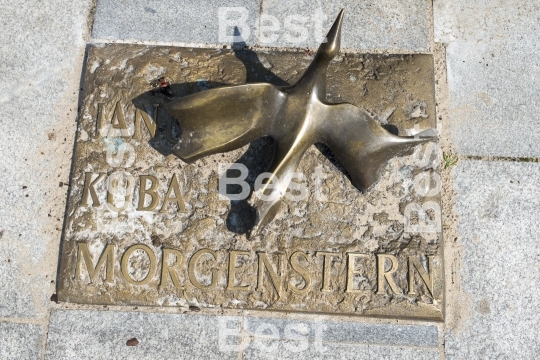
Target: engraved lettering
{"points": [[264, 262], [103, 129], [191, 269], [125, 263], [99, 122], [232, 271], [105, 259], [351, 271], [327, 268], [295, 264], [143, 191], [283, 256], [167, 270], [90, 190], [114, 190], [150, 124], [383, 275], [173, 186], [120, 123], [426, 278]]}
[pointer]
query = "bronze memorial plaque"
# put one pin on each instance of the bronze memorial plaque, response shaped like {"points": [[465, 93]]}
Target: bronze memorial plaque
{"points": [[171, 201]]}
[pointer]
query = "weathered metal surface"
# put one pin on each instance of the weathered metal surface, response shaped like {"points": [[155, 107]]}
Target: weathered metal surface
{"points": [[210, 260], [295, 117]]}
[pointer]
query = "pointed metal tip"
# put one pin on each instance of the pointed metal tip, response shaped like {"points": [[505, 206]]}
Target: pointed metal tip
{"points": [[258, 227], [429, 133], [266, 212], [334, 34], [338, 22], [332, 44]]}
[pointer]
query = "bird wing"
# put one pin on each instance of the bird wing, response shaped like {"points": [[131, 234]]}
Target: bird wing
{"points": [[224, 119], [361, 144]]}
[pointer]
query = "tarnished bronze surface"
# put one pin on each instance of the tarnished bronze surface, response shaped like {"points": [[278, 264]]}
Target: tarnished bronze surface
{"points": [[133, 204], [295, 117]]}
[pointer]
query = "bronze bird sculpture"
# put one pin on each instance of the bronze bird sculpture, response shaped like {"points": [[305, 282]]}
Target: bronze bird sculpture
{"points": [[296, 117]]}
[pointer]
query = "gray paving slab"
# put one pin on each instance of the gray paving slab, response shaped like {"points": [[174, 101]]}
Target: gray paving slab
{"points": [[493, 75], [21, 341], [369, 25], [403, 353], [497, 205], [352, 332], [193, 22], [41, 56], [288, 350], [104, 334], [87, 334], [303, 339], [387, 25], [268, 349]]}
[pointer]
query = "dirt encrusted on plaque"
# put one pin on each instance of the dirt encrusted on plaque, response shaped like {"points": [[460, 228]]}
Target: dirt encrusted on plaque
{"points": [[145, 228]]}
